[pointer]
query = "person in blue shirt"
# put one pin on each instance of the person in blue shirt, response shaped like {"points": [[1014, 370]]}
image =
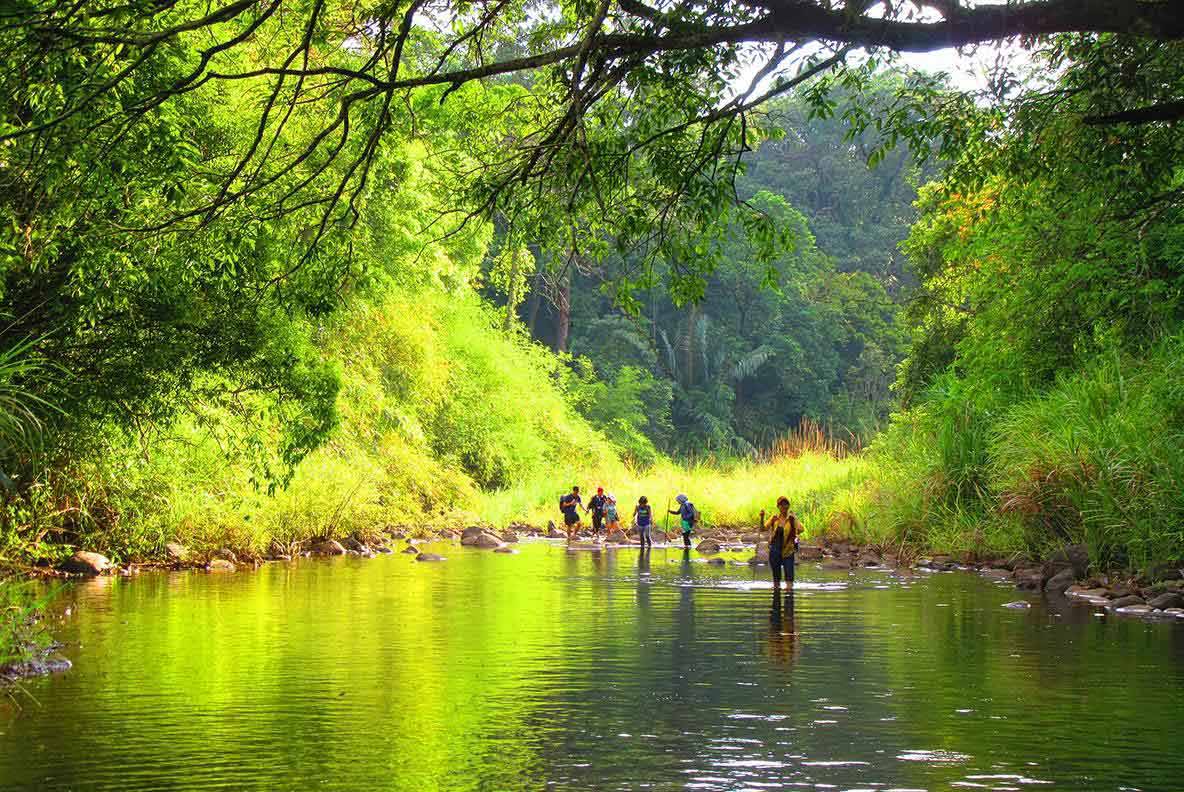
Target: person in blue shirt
{"points": [[687, 515], [570, 504], [643, 518]]}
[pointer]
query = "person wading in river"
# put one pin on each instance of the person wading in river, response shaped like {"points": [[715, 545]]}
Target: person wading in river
{"points": [[612, 520], [596, 507], [570, 505], [688, 516], [783, 530], [643, 518]]}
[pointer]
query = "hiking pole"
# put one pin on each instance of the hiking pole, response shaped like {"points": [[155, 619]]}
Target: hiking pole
{"points": [[666, 529]]}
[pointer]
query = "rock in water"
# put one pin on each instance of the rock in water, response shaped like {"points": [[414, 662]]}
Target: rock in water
{"points": [[410, 549], [352, 544], [1125, 602], [1017, 605], [509, 537], [555, 533], [1029, 580], [716, 561], [219, 565], [176, 552], [505, 549], [430, 557], [485, 542], [84, 562], [1167, 600], [837, 565], [708, 547], [468, 537], [329, 547], [617, 537], [761, 556], [1060, 581]]}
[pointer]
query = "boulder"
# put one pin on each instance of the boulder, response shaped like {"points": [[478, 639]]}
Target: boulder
{"points": [[485, 542], [509, 536], [761, 556], [1125, 602], [352, 544], [176, 552], [409, 549], [1167, 600], [708, 547], [219, 565], [329, 547], [1060, 581], [470, 534], [617, 537], [84, 562], [809, 553], [1075, 557], [555, 533], [837, 564], [382, 549], [430, 557], [226, 554]]}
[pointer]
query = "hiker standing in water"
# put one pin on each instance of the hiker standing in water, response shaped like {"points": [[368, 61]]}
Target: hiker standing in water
{"points": [[596, 506], [783, 530], [688, 516], [643, 518], [570, 504]]}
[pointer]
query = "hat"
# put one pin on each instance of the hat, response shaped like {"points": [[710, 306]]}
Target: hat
{"points": [[600, 490], [681, 498]]}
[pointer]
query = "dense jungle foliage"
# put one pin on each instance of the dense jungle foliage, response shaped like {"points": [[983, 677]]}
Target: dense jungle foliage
{"points": [[267, 276]]}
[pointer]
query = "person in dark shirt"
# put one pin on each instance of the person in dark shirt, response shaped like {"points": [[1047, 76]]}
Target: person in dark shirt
{"points": [[596, 507], [570, 504], [643, 518]]}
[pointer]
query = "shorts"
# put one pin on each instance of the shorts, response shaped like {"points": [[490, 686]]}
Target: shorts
{"points": [[570, 519], [686, 526]]}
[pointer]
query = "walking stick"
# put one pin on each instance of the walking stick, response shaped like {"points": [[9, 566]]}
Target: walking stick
{"points": [[666, 529]]}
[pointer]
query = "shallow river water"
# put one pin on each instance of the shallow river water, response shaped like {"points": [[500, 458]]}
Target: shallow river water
{"points": [[607, 670]]}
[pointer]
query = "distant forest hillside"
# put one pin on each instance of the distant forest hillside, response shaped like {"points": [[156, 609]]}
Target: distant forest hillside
{"points": [[748, 363]]}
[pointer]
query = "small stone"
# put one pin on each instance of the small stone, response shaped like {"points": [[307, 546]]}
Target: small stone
{"points": [[176, 552], [1017, 605], [382, 549], [717, 561], [352, 544], [220, 565], [430, 557], [1167, 600], [409, 549], [84, 562], [809, 553], [505, 549], [1029, 580], [1125, 602], [708, 547], [226, 554], [1060, 581], [329, 547]]}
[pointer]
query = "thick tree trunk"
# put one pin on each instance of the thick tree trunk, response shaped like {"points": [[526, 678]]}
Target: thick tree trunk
{"points": [[536, 300], [563, 325]]}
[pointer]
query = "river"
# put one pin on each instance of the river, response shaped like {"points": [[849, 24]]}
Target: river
{"points": [[606, 670]]}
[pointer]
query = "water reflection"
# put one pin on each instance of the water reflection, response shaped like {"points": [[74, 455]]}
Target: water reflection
{"points": [[784, 647], [590, 669]]}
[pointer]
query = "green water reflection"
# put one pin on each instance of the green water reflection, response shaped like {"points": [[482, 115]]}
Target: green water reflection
{"points": [[590, 670]]}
